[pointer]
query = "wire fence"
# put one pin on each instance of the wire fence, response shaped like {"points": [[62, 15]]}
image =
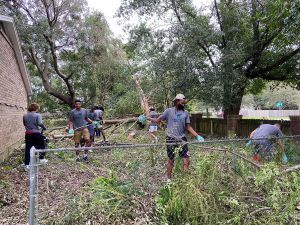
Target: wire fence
{"points": [[207, 145]]}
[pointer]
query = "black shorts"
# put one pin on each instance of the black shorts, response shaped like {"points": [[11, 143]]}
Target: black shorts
{"points": [[183, 151]]}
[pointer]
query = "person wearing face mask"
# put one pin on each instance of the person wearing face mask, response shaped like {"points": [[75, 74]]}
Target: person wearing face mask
{"points": [[178, 121]]}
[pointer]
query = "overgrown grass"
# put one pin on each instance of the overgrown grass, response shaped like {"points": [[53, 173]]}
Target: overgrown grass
{"points": [[214, 193]]}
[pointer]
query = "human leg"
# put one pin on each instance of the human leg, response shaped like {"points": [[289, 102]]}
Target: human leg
{"points": [[86, 137], [28, 145], [77, 139], [185, 155], [171, 156]]}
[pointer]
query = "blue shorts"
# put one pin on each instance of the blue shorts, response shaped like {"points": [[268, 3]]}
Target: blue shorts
{"points": [[183, 151]]}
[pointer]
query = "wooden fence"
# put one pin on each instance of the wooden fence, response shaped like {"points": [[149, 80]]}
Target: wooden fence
{"points": [[218, 127]]}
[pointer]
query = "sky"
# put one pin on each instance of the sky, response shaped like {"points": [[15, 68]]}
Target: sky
{"points": [[110, 7]]}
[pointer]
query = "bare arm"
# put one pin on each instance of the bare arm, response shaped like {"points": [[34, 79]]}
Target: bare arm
{"points": [[155, 120], [252, 133], [89, 120], [281, 145], [70, 124], [191, 130], [40, 122]]}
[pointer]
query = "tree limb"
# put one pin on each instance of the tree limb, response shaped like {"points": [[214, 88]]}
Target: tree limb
{"points": [[177, 13], [220, 24], [207, 53], [274, 65]]}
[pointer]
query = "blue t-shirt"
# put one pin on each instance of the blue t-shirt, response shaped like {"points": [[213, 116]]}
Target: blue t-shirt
{"points": [[176, 122]]}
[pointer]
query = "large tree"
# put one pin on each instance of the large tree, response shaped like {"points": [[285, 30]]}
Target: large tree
{"points": [[227, 51], [69, 48]]}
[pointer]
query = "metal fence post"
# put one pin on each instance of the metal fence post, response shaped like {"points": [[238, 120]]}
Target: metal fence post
{"points": [[32, 187]]}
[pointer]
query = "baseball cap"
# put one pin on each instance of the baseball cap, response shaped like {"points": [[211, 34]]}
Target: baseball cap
{"points": [[179, 97]]}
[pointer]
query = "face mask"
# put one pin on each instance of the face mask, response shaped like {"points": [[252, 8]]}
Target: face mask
{"points": [[180, 107]]}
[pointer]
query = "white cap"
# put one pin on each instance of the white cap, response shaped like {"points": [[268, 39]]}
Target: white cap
{"points": [[179, 97]]}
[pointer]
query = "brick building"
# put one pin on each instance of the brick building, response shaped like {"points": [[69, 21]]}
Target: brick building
{"points": [[14, 87]]}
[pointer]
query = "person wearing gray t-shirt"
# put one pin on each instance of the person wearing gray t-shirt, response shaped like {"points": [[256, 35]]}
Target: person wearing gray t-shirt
{"points": [[79, 121], [32, 120], [265, 148], [178, 121]]}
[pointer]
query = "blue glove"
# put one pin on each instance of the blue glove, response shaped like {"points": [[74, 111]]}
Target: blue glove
{"points": [[249, 143], [95, 123], [142, 119], [284, 159], [71, 131], [200, 138]]}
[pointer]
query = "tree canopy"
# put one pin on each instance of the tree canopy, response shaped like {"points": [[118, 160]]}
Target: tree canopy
{"points": [[217, 54], [70, 52]]}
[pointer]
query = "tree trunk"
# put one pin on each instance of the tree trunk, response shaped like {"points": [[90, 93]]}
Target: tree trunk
{"points": [[144, 101], [232, 103]]}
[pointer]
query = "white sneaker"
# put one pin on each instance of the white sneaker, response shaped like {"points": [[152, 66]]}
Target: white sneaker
{"points": [[168, 181], [43, 161], [26, 168]]}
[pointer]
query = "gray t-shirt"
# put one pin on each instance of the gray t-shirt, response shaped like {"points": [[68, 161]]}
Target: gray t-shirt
{"points": [[266, 130], [99, 114], [153, 114], [32, 121], [79, 118], [176, 122]]}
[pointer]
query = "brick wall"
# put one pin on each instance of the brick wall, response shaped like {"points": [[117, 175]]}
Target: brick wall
{"points": [[13, 98]]}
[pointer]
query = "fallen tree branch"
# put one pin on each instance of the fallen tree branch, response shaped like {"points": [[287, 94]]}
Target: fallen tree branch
{"points": [[291, 169], [260, 210], [233, 153]]}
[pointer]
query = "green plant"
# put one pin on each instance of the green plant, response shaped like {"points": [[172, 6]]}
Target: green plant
{"points": [[215, 193]]}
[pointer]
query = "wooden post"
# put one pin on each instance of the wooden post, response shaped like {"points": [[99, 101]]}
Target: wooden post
{"points": [[211, 127], [196, 120], [295, 126]]}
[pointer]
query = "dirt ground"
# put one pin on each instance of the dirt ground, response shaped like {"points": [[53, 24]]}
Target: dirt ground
{"points": [[63, 178]]}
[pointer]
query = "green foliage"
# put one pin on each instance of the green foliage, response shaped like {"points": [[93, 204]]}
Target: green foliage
{"points": [[273, 94], [108, 198], [218, 54], [127, 103], [216, 194]]}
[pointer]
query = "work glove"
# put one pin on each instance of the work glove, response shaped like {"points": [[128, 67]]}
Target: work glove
{"points": [[142, 119], [249, 143], [200, 138], [284, 159], [71, 131]]}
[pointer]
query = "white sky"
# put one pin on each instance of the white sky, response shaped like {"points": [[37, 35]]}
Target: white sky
{"points": [[110, 7]]}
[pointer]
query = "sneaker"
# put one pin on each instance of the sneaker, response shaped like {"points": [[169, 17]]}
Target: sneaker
{"points": [[85, 159], [26, 168], [77, 159], [43, 161], [168, 181], [156, 140]]}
